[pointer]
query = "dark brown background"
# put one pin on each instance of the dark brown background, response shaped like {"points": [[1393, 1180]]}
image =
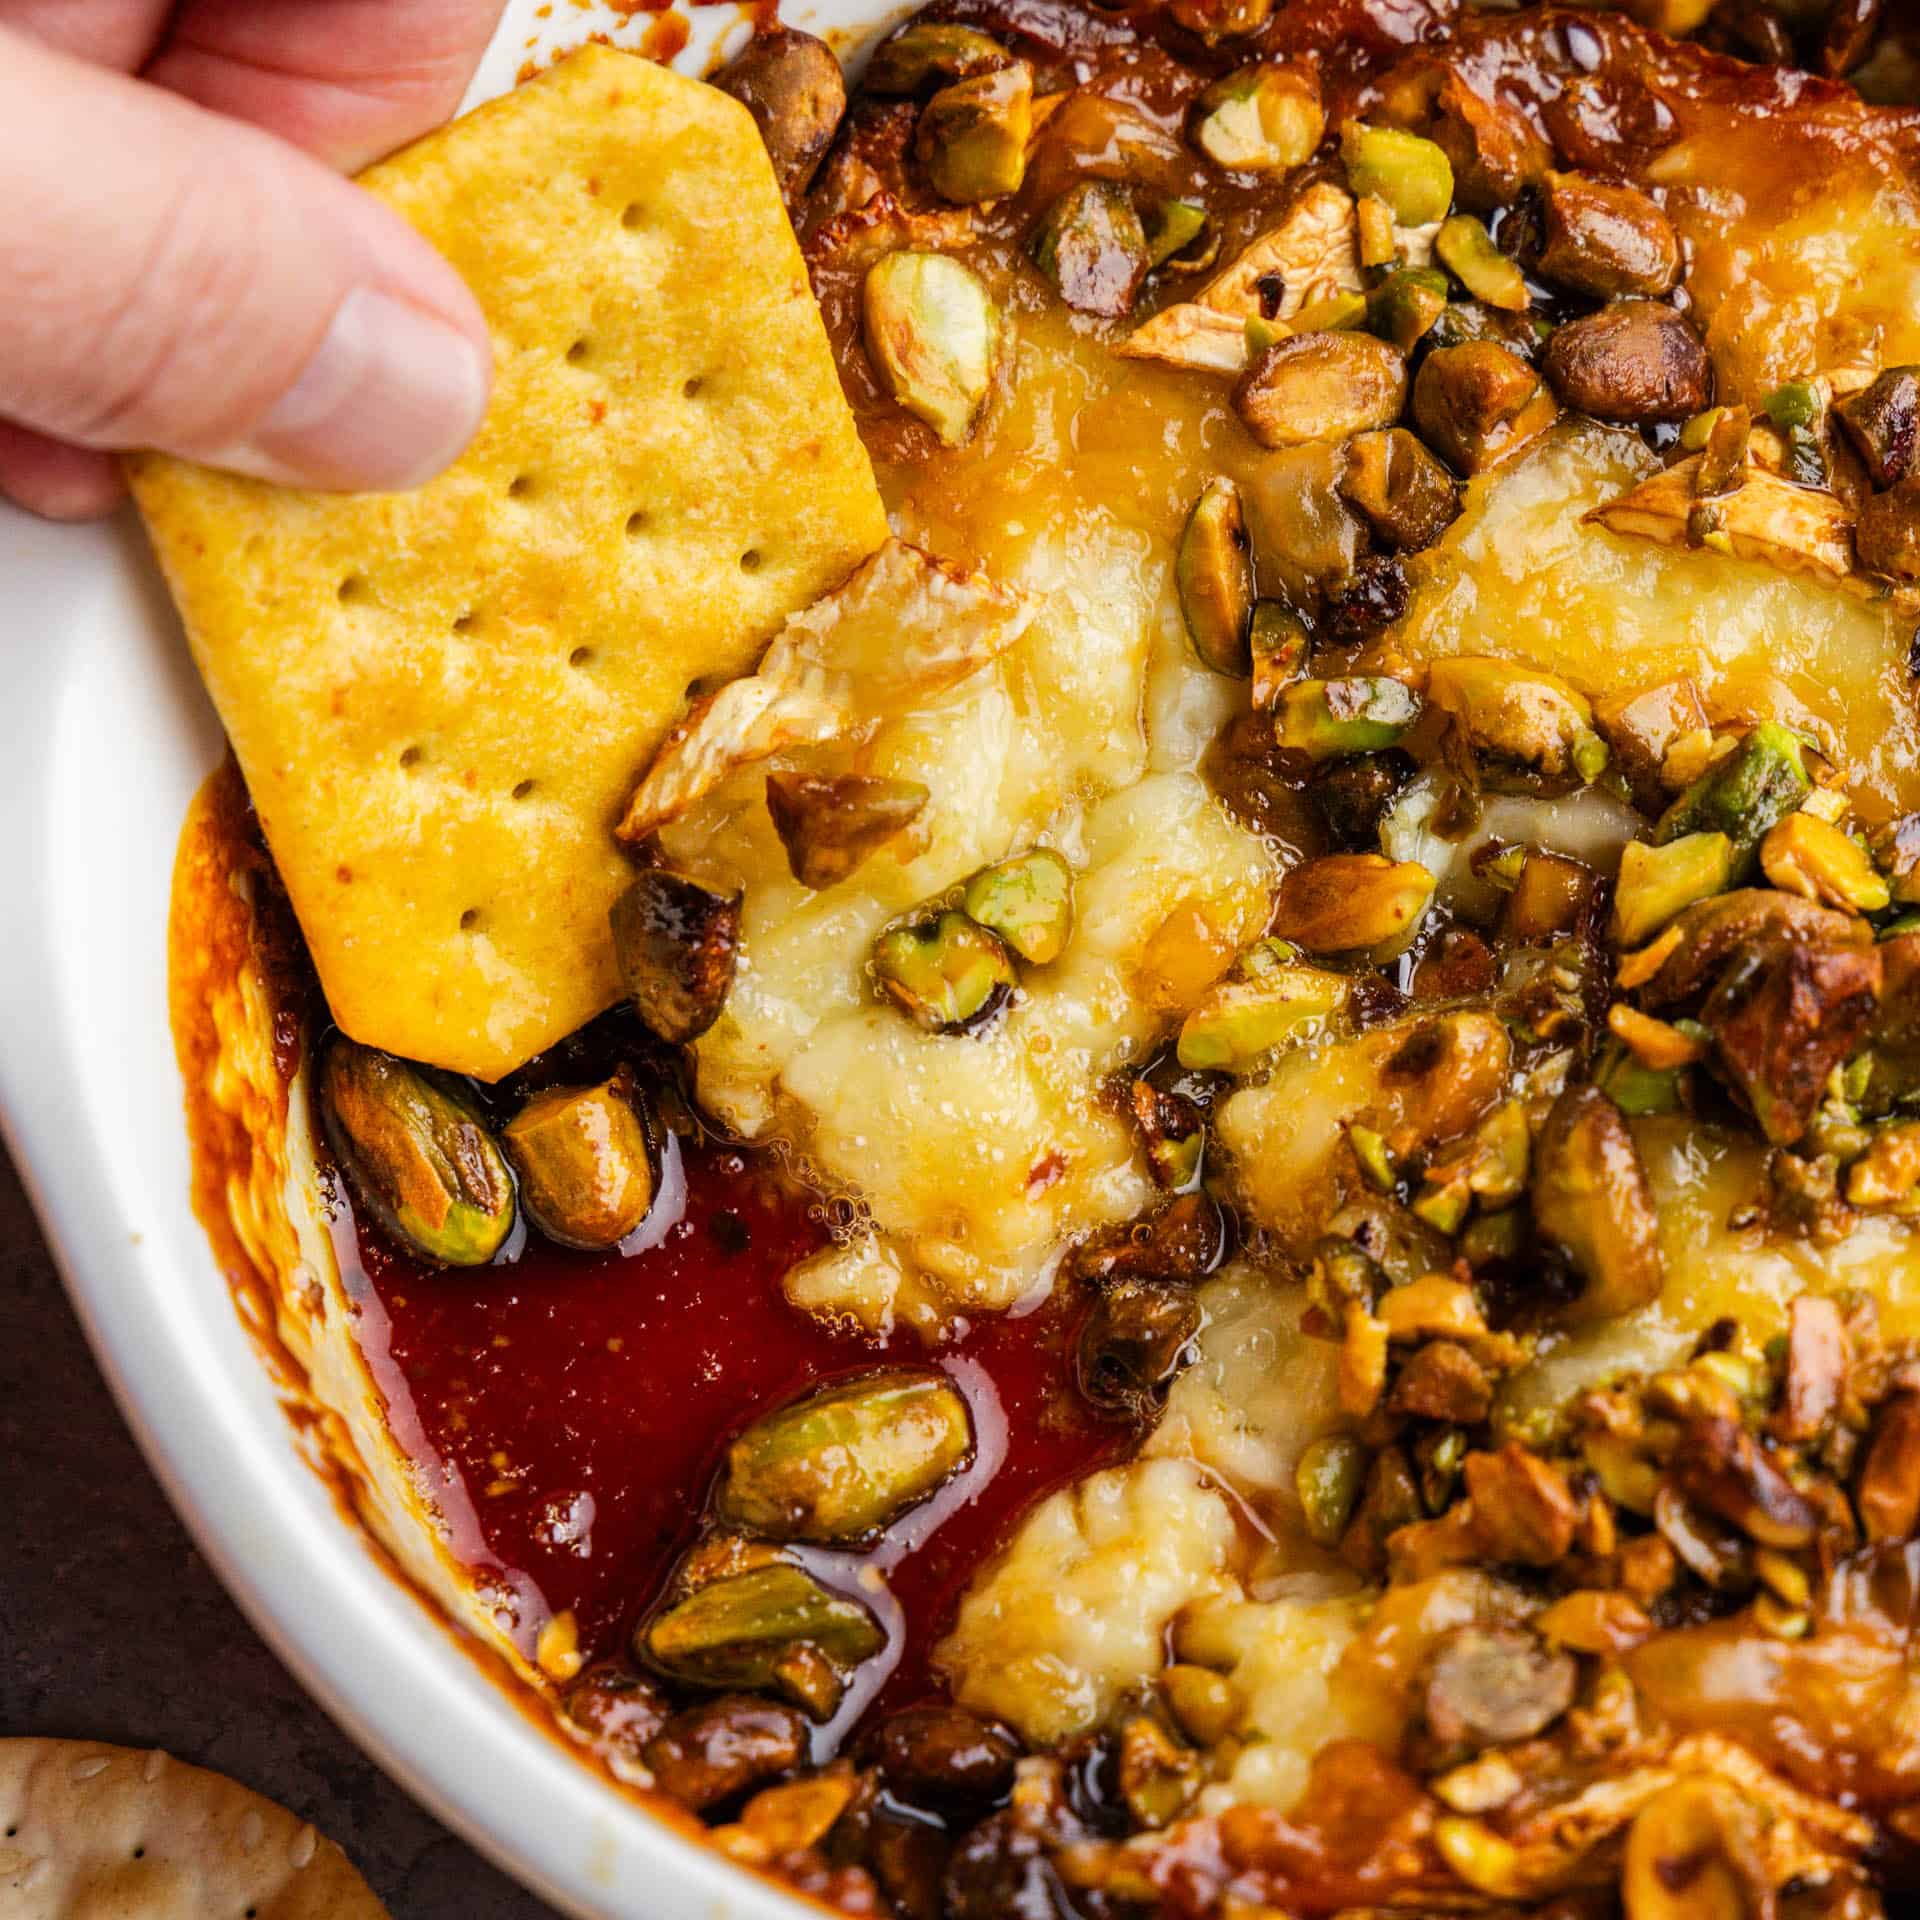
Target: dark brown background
{"points": [[114, 1628]]}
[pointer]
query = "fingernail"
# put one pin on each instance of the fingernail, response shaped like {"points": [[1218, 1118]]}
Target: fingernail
{"points": [[390, 396]]}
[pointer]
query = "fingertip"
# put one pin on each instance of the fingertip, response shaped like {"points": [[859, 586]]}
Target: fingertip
{"points": [[56, 481]]}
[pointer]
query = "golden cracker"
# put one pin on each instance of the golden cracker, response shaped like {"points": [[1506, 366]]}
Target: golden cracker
{"points": [[93, 1830], [441, 699]]}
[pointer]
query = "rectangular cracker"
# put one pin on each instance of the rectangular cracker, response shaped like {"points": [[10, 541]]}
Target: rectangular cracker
{"points": [[441, 699]]}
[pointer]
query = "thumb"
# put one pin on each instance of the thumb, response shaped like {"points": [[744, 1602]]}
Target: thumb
{"points": [[180, 281]]}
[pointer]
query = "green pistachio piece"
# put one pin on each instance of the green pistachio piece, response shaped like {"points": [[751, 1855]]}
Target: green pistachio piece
{"points": [[925, 54], [1027, 901], [1405, 306], [841, 1464], [1466, 248], [948, 972], [973, 135], [1407, 496], [1213, 571], [831, 823], [1592, 1201], [1636, 1088], [934, 335], [1178, 231], [1799, 411], [1262, 119], [677, 944], [1527, 722], [1269, 1000], [1091, 245], [585, 1162], [417, 1154], [1760, 782], [1656, 883], [1328, 1481], [1279, 643], [1328, 719], [1410, 174], [1350, 902], [743, 1631], [1335, 314]]}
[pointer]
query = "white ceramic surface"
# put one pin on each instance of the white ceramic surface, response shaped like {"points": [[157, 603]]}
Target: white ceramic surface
{"points": [[104, 737]]}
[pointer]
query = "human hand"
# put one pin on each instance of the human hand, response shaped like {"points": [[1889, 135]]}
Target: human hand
{"points": [[182, 265]]}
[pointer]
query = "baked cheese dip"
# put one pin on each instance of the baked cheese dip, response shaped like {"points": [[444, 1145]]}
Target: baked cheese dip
{"points": [[1076, 1040]]}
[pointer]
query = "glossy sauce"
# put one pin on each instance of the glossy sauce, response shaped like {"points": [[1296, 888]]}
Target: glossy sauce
{"points": [[568, 1411]]}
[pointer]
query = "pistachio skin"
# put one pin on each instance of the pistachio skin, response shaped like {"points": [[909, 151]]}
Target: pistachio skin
{"points": [[677, 944], [843, 1463], [585, 1163], [1606, 240], [417, 1154], [1478, 402]]}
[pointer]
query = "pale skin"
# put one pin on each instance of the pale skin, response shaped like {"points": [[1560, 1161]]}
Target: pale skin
{"points": [[186, 267]]}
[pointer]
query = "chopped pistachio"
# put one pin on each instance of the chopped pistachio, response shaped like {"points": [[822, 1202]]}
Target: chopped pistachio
{"points": [[973, 135], [1521, 719], [1174, 1134], [1213, 571], [927, 53], [1335, 314], [1279, 643], [1091, 245], [1405, 305], [1261, 119], [585, 1162], [948, 972], [1327, 1481], [739, 1631], [1810, 857], [934, 335], [1027, 901], [1379, 241], [1592, 1201], [1656, 882], [1321, 386], [1466, 249], [1410, 174], [840, 1464], [1328, 719], [1348, 902], [677, 944], [1605, 240], [1745, 793], [1477, 403], [831, 823], [1799, 411], [1268, 1001], [1376, 1161], [1179, 232], [1407, 496], [417, 1154]]}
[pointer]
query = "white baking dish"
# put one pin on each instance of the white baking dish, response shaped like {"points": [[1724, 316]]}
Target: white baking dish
{"points": [[104, 738]]}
